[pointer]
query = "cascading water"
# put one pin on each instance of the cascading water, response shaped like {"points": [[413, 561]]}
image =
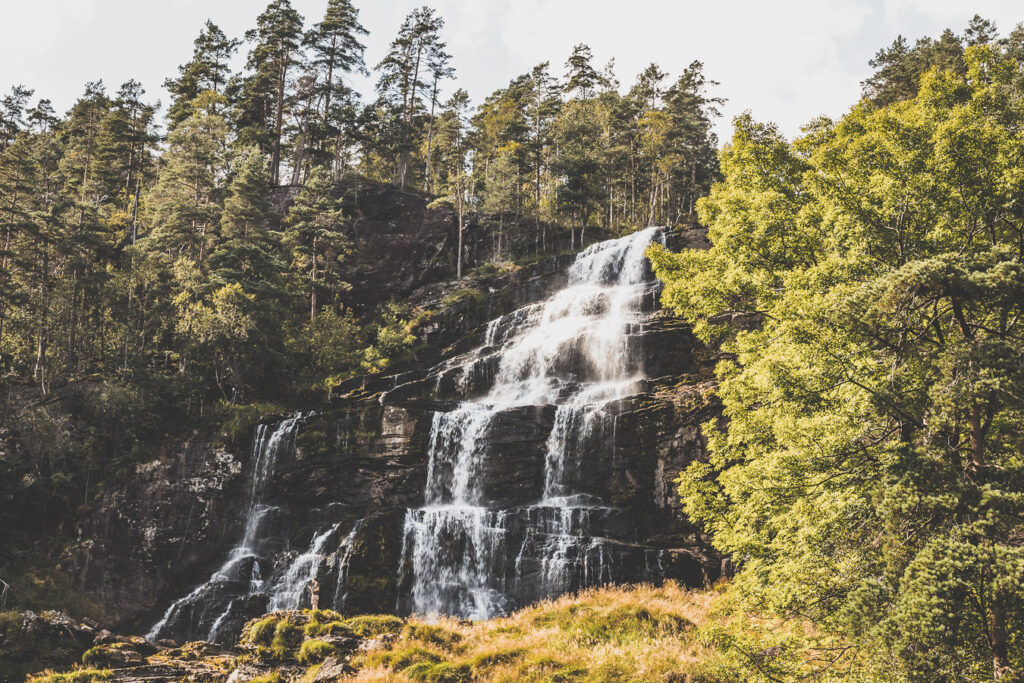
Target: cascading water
{"points": [[578, 351], [257, 576]]}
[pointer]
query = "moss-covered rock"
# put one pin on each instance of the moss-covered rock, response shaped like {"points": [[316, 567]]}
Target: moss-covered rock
{"points": [[369, 625], [31, 641]]}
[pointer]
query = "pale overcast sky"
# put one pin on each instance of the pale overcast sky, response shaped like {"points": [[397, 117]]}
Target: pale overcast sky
{"points": [[786, 60]]}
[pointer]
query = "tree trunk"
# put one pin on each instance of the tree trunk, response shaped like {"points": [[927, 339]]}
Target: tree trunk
{"points": [[430, 132], [300, 152], [275, 161], [693, 187], [501, 225], [458, 256], [312, 289], [997, 637]]}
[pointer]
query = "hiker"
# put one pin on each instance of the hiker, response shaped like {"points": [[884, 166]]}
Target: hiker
{"points": [[314, 594]]}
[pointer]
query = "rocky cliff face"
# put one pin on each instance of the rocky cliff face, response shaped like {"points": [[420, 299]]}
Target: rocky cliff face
{"points": [[343, 497]]}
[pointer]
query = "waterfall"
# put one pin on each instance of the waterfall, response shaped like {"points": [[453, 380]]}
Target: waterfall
{"points": [[192, 613], [577, 351], [256, 576], [516, 501]]}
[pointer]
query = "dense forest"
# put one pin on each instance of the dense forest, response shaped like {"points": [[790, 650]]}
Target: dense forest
{"points": [[136, 251], [864, 287], [151, 255]]}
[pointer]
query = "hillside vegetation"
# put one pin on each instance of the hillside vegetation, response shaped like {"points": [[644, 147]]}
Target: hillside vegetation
{"points": [[636, 633]]}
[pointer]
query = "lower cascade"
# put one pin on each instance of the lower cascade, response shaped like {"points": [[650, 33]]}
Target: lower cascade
{"points": [[497, 524], [252, 579]]}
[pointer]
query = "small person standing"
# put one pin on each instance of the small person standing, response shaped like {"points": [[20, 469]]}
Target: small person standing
{"points": [[314, 594]]}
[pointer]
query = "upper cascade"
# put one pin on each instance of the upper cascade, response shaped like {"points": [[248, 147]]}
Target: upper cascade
{"points": [[578, 351]]}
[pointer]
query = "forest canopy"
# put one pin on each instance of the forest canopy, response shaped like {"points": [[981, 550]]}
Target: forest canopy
{"points": [[131, 249]]}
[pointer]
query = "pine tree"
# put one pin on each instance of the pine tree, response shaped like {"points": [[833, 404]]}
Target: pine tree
{"points": [[580, 73], [452, 148], [263, 99], [438, 65], [12, 112], [209, 69], [315, 235], [127, 140], [400, 84], [186, 202], [335, 51], [18, 224]]}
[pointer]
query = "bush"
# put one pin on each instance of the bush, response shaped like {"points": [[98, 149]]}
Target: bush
{"points": [[369, 625], [287, 637], [330, 628], [428, 633], [464, 294], [259, 632], [315, 651]]}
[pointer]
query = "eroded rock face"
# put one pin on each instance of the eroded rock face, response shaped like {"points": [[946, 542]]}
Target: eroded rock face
{"points": [[351, 471], [177, 513]]}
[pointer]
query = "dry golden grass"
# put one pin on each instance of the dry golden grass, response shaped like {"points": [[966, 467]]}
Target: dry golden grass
{"points": [[635, 633]]}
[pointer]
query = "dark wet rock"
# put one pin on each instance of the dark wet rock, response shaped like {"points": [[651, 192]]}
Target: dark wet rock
{"points": [[159, 531]]}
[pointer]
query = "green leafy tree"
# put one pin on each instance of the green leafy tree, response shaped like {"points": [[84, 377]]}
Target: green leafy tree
{"points": [[392, 338], [870, 473]]}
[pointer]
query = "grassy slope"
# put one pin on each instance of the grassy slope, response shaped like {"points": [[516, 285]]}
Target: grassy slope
{"points": [[635, 633], [638, 633]]}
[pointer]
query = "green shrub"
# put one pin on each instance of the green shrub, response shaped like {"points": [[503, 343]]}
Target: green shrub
{"points": [[369, 625], [464, 294], [287, 637], [259, 632], [323, 616], [330, 628], [315, 651], [435, 635]]}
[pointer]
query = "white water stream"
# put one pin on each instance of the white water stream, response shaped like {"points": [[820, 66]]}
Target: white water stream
{"points": [[577, 351]]}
